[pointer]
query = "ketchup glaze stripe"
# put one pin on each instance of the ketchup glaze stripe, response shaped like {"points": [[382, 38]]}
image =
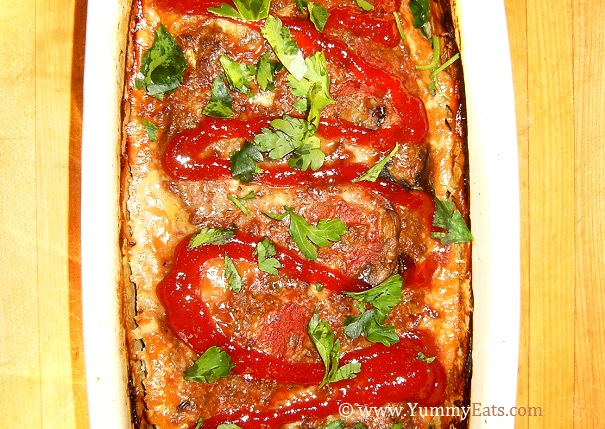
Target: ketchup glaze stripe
{"points": [[387, 373]]}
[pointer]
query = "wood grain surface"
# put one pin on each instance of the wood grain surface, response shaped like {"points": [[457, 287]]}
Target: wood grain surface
{"points": [[556, 50]]}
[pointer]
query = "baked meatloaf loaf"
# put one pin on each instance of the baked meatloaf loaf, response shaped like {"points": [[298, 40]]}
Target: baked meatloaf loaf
{"points": [[295, 215]]}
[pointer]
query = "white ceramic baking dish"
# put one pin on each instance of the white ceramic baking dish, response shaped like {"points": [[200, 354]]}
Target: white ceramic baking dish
{"points": [[494, 211]]}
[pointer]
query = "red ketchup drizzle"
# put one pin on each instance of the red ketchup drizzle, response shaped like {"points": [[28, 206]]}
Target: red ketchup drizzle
{"points": [[189, 318], [383, 31], [388, 373]]}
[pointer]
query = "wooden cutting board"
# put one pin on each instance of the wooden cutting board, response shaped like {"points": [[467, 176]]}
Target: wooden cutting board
{"points": [[559, 87]]}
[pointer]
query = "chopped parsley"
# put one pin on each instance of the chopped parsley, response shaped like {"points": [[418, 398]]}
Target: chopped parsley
{"points": [[150, 128], [336, 424], [232, 276], [244, 162], [213, 364], [434, 66], [421, 12], [266, 69], [239, 75], [284, 46], [313, 87], [247, 10], [211, 236], [292, 136], [221, 102], [228, 426], [372, 174], [370, 323], [449, 218], [422, 358], [162, 66], [322, 336], [365, 5], [317, 13], [399, 25], [238, 201], [265, 252], [308, 237], [383, 297], [199, 424]]}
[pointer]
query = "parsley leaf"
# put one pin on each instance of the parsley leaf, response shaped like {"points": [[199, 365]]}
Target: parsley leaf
{"points": [[383, 297], [239, 75], [369, 324], [400, 426], [265, 251], [248, 10], [234, 280], [322, 337], [150, 128], [221, 102], [238, 201], [422, 358], [284, 46], [318, 15], [336, 424], [162, 66], [314, 86], [199, 424], [365, 5], [243, 162], [359, 426], [213, 364], [420, 11], [211, 236], [266, 69], [372, 174], [449, 218], [399, 25], [307, 236], [292, 136]]}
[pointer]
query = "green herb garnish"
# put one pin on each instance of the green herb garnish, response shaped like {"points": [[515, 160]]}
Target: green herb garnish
{"points": [[247, 10], [370, 323], [421, 11], [336, 424], [220, 104], [365, 5], [213, 364], [162, 66], [217, 236], [284, 46], [292, 136], [450, 219], [399, 25], [265, 251], [322, 337], [238, 201], [239, 75], [372, 174], [383, 297], [232, 276], [314, 87], [266, 69], [307, 236], [244, 162], [150, 128], [422, 358]]}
